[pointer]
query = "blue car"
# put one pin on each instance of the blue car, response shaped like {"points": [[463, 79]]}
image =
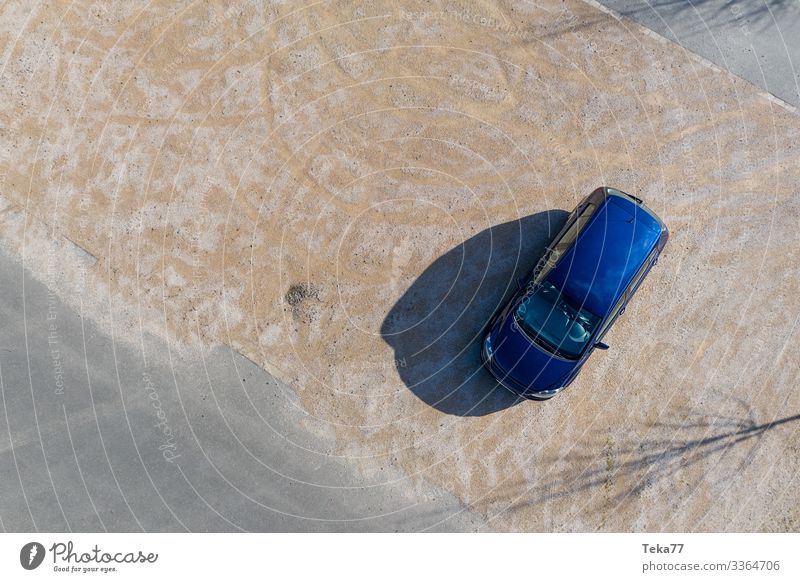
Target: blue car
{"points": [[537, 343]]}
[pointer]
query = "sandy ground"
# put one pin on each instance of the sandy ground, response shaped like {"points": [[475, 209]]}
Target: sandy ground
{"points": [[344, 191]]}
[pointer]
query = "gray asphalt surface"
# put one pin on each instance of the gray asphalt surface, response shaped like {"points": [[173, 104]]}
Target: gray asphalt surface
{"points": [[753, 39], [97, 436]]}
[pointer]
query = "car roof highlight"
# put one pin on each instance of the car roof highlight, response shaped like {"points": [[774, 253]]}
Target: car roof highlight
{"points": [[596, 269]]}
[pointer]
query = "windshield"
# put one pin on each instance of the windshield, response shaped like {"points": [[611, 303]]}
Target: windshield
{"points": [[551, 320]]}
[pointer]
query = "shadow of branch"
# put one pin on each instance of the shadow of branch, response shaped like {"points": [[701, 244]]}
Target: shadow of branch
{"points": [[713, 16], [649, 460]]}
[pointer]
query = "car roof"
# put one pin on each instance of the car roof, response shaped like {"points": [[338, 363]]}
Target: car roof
{"points": [[595, 271]]}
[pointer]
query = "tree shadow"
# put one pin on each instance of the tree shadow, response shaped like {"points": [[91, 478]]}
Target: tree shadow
{"points": [[698, 17], [435, 327], [640, 462], [710, 16]]}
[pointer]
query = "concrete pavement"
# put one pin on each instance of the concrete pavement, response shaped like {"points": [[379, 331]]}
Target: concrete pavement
{"points": [[753, 39], [98, 436], [281, 180]]}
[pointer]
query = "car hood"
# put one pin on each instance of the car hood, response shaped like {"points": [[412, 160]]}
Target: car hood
{"points": [[523, 361]]}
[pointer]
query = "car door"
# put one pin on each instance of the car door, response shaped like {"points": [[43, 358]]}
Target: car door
{"points": [[619, 308], [641, 274]]}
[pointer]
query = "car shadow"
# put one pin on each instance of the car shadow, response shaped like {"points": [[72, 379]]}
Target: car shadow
{"points": [[435, 328]]}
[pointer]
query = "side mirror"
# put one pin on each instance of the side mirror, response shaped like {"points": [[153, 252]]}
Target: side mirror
{"points": [[601, 346]]}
